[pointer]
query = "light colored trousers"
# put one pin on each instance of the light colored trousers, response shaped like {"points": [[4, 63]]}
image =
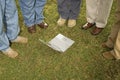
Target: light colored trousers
{"points": [[116, 50], [32, 11], [97, 11], [115, 29], [9, 27], [116, 33]]}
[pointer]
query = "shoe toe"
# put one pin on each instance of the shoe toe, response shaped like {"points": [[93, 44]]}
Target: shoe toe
{"points": [[96, 31], [61, 21], [32, 29], [108, 55], [43, 25], [87, 26], [71, 23]]}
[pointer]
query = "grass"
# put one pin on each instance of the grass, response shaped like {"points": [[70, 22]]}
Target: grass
{"points": [[82, 61]]}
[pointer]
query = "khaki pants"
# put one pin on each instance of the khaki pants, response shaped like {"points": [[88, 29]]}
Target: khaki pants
{"points": [[98, 11], [115, 29], [117, 47], [116, 51]]}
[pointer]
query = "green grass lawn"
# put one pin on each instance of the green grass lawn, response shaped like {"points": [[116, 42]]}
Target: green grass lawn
{"points": [[82, 61]]}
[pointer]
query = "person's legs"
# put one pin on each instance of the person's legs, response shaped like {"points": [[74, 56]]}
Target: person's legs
{"points": [[115, 53], [39, 18], [4, 42], [63, 8], [39, 5], [74, 12], [91, 12], [117, 47], [28, 11], [11, 20], [104, 8], [114, 31], [74, 9], [112, 37]]}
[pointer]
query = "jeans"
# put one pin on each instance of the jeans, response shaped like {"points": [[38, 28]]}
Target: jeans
{"points": [[9, 27], [32, 11], [69, 9]]}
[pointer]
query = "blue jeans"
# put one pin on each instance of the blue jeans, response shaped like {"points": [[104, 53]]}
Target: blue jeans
{"points": [[32, 11], [9, 27]]}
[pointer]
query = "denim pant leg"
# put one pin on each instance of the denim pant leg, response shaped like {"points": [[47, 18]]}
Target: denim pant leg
{"points": [[74, 9], [64, 8], [11, 20], [39, 5], [4, 42], [28, 11]]}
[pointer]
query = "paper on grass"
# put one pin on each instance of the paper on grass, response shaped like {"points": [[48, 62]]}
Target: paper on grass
{"points": [[59, 43]]}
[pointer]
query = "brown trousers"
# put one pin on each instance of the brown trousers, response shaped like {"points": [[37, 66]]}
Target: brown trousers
{"points": [[115, 29], [115, 34]]}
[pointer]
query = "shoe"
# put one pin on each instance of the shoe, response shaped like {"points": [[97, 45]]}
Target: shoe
{"points": [[32, 29], [88, 25], [61, 21], [71, 23], [104, 45], [20, 39], [96, 31], [43, 25], [10, 53], [108, 55]]}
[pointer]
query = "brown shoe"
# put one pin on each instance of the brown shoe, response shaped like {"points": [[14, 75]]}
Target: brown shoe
{"points": [[32, 29], [96, 31], [43, 25], [88, 25], [108, 55], [104, 45]]}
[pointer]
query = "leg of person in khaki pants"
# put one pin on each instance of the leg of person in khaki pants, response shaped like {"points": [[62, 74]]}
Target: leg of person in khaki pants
{"points": [[115, 53], [114, 31]]}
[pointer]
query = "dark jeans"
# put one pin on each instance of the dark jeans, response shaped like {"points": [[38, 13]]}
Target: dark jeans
{"points": [[69, 8]]}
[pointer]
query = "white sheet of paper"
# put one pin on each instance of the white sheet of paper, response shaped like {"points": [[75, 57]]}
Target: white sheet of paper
{"points": [[60, 43]]}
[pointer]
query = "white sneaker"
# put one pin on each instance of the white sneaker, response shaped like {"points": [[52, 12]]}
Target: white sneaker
{"points": [[10, 53], [71, 23], [61, 21], [20, 39]]}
